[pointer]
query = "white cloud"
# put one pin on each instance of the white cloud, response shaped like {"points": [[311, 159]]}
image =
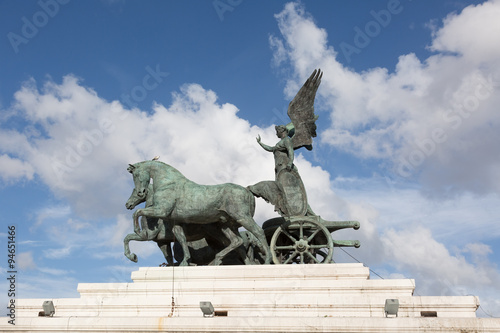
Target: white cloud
{"points": [[439, 272], [57, 253], [79, 145], [89, 142], [435, 122], [402, 207], [472, 33], [53, 271], [25, 261], [426, 116], [51, 213], [84, 144], [12, 169], [279, 52]]}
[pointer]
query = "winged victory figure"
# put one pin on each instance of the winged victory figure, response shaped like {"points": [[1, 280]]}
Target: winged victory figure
{"points": [[287, 191]]}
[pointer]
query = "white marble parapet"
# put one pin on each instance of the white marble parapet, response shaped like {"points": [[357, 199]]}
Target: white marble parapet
{"points": [[270, 298], [255, 324], [253, 272]]}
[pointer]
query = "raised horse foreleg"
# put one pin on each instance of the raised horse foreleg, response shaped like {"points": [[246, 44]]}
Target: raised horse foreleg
{"points": [[159, 212], [126, 240], [141, 236]]}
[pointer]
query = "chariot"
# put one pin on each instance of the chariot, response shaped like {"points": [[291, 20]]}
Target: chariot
{"points": [[180, 210], [300, 236]]}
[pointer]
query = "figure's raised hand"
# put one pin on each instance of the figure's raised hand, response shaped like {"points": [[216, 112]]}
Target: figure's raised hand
{"points": [[258, 138]]}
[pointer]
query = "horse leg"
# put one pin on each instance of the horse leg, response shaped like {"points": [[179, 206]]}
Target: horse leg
{"points": [[135, 217], [144, 230], [153, 211], [249, 224], [181, 238], [167, 252], [245, 251], [242, 250], [235, 240], [126, 240]]}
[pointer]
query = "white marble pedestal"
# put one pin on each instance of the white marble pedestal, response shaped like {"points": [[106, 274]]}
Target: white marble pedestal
{"points": [[271, 298]]}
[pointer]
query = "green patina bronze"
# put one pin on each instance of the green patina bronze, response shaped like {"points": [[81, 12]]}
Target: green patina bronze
{"points": [[182, 202], [287, 192], [204, 219], [204, 240]]}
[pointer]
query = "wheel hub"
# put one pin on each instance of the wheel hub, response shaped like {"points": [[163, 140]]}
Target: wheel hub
{"points": [[301, 245]]}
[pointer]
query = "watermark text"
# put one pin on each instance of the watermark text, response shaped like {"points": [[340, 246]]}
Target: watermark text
{"points": [[11, 274]]}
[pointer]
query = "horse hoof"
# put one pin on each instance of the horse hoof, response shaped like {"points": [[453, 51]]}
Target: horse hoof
{"points": [[215, 262], [249, 262], [132, 257]]}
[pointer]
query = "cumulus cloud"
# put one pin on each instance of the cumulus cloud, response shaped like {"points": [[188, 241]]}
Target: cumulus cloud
{"points": [[434, 260], [471, 33], [83, 143], [13, 169], [433, 125], [439, 272], [427, 115], [80, 145]]}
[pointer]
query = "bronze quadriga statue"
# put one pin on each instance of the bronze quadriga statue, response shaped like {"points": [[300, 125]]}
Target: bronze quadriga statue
{"points": [[180, 210]]}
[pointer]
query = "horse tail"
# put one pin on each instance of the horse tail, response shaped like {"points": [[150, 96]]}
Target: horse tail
{"points": [[237, 201]]}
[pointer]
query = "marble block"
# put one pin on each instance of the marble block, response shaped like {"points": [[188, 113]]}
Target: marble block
{"points": [[270, 298]]}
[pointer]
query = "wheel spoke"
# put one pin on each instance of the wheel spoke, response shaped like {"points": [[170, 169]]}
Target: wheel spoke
{"points": [[301, 257], [291, 257], [313, 257], [288, 234], [285, 247], [301, 229], [313, 235], [318, 246]]}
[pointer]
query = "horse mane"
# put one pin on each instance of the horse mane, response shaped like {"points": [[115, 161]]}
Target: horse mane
{"points": [[156, 163]]}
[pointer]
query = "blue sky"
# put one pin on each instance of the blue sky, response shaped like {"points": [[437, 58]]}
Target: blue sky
{"points": [[407, 136]]}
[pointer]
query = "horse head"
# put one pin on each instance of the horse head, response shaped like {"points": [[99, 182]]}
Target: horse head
{"points": [[135, 200], [141, 177]]}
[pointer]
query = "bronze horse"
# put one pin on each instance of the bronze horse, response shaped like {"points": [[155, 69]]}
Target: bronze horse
{"points": [[160, 231], [181, 201]]}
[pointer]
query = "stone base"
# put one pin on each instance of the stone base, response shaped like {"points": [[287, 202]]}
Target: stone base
{"points": [[271, 298]]}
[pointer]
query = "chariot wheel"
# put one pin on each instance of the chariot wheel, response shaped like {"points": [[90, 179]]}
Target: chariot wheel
{"points": [[302, 240]]}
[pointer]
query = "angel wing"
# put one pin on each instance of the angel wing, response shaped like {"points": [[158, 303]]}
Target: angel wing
{"points": [[301, 112]]}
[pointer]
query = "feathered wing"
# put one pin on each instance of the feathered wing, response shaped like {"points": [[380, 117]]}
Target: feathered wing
{"points": [[301, 112]]}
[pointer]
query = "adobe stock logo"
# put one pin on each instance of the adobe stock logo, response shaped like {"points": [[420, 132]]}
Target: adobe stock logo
{"points": [[30, 28], [222, 6]]}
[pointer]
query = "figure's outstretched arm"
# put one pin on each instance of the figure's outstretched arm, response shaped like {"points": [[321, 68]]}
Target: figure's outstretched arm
{"points": [[266, 147]]}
